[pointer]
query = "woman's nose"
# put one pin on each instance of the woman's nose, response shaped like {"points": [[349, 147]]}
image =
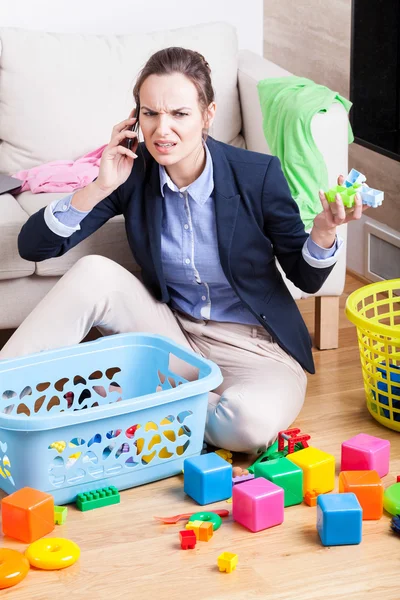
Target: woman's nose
{"points": [[163, 125]]}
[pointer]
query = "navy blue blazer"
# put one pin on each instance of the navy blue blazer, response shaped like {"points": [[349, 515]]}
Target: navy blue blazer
{"points": [[257, 220]]}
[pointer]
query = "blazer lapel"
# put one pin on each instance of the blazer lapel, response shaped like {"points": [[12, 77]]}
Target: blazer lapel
{"points": [[227, 202], [153, 209]]}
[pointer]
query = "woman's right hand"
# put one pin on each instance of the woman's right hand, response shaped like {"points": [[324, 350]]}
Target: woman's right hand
{"points": [[117, 161]]}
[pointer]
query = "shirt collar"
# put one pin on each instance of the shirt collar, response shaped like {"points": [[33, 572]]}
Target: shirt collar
{"points": [[200, 190]]}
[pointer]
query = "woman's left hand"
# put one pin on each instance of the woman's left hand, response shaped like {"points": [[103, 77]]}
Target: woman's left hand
{"points": [[323, 232]]}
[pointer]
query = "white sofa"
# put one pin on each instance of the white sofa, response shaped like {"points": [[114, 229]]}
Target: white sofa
{"points": [[61, 94]]}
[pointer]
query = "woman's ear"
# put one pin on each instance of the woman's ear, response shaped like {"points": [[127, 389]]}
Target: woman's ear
{"points": [[210, 115]]}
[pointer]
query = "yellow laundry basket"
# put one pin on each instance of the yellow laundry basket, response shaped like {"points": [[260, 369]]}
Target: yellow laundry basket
{"points": [[375, 310]]}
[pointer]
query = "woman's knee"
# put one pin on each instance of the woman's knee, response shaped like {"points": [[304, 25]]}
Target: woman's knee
{"points": [[256, 419]]}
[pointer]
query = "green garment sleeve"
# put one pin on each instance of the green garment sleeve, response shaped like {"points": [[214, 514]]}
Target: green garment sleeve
{"points": [[288, 105]]}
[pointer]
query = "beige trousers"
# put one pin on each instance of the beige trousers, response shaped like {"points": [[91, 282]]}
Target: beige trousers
{"points": [[263, 388]]}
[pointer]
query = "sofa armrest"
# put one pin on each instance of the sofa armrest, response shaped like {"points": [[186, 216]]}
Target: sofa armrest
{"points": [[330, 131]]}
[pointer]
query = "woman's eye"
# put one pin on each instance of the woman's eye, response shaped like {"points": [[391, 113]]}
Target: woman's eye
{"points": [[181, 114]]}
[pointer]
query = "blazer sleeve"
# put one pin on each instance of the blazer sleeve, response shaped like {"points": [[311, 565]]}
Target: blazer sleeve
{"points": [[284, 227], [36, 241]]}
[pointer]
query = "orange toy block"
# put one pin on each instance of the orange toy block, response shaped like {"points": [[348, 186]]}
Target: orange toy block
{"points": [[27, 515], [205, 531], [368, 488]]}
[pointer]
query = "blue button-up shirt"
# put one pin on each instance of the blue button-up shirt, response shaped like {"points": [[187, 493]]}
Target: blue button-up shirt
{"points": [[189, 248]]}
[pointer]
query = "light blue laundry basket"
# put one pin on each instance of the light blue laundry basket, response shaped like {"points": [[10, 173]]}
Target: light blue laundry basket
{"points": [[108, 412]]}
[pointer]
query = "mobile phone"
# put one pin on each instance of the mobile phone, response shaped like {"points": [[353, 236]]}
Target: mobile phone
{"points": [[129, 141]]}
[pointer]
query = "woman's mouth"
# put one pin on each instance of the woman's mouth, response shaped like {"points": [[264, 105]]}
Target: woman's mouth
{"points": [[164, 147]]}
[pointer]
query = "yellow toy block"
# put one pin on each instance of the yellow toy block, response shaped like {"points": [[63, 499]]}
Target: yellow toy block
{"points": [[225, 454], [318, 469], [227, 561], [195, 526]]}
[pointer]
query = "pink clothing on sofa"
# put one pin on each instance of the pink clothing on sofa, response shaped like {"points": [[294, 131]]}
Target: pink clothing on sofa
{"points": [[62, 175]]}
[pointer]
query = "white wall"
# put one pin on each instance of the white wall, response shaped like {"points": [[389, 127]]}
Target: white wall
{"points": [[128, 16]]}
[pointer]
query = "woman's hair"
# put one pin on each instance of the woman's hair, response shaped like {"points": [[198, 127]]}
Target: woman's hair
{"points": [[179, 60]]}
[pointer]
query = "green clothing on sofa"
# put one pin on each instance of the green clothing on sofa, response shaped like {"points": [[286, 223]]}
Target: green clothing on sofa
{"points": [[288, 104]]}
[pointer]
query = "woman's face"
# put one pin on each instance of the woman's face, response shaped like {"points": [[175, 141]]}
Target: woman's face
{"points": [[171, 118]]}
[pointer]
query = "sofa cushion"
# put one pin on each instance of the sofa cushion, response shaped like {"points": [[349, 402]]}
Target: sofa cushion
{"points": [[12, 217], [61, 94], [110, 240]]}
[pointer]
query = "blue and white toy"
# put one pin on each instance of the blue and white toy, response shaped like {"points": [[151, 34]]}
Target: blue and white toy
{"points": [[354, 177], [207, 478], [369, 196], [373, 198], [339, 519]]}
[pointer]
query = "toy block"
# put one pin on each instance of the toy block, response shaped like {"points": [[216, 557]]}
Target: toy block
{"points": [[188, 539], [195, 527], [242, 478], [310, 497], [225, 454], [27, 515], [365, 452], [398, 479], [354, 177], [318, 469], [227, 561], [347, 194], [339, 519], [60, 515], [391, 499], [258, 504], [368, 488], [207, 478], [287, 475], [98, 498], [206, 531], [371, 197]]}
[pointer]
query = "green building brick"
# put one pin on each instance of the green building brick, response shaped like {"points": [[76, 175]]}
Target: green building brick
{"points": [[287, 475], [60, 515], [98, 498], [346, 193]]}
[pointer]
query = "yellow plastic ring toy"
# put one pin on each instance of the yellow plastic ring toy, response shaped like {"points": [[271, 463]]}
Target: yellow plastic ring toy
{"points": [[14, 567], [52, 553]]}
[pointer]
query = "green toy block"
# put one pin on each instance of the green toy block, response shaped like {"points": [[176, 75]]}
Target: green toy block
{"points": [[286, 474], [346, 193], [60, 514], [272, 454], [98, 498]]}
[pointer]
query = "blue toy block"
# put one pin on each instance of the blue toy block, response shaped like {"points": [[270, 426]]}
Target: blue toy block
{"points": [[207, 478], [354, 177], [339, 519], [373, 198]]}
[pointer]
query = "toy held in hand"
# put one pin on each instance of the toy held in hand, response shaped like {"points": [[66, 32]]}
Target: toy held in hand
{"points": [[353, 184]]}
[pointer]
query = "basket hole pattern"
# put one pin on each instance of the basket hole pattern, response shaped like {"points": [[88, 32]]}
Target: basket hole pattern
{"points": [[110, 452], [5, 464], [66, 394]]}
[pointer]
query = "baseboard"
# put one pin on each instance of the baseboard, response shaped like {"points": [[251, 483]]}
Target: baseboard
{"points": [[357, 276]]}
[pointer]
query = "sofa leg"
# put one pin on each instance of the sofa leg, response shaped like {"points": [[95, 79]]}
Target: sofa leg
{"points": [[327, 322]]}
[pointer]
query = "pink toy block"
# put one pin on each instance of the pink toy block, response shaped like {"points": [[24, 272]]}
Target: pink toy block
{"points": [[258, 504], [366, 452]]}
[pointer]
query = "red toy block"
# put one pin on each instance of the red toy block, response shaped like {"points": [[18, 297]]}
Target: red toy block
{"points": [[398, 479], [27, 515], [188, 539]]}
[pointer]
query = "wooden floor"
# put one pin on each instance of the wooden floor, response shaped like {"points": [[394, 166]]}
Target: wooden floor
{"points": [[126, 554]]}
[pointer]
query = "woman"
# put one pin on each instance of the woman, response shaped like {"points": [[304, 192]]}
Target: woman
{"points": [[205, 222]]}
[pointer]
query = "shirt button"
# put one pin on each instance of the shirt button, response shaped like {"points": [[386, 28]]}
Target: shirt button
{"points": [[186, 226], [203, 298], [180, 195], [263, 317], [187, 261], [65, 207]]}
